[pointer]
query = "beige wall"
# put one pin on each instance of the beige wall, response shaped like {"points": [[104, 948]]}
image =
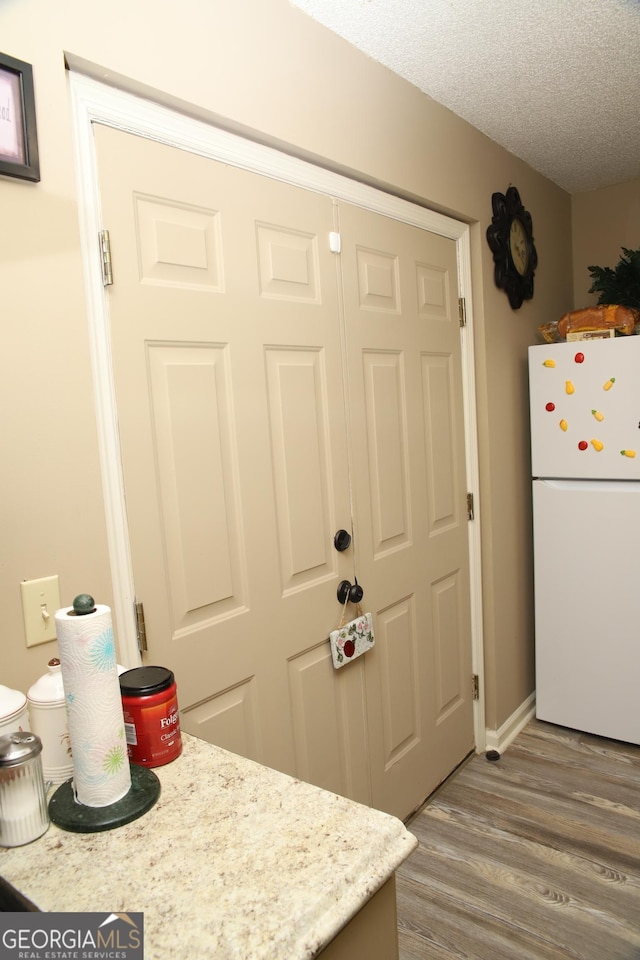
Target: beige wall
{"points": [[603, 221], [259, 65]]}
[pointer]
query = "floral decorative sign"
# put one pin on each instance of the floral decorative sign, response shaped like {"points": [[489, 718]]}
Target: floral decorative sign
{"points": [[351, 640]]}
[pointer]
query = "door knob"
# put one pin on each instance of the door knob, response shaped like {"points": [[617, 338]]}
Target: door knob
{"points": [[351, 591], [342, 540]]}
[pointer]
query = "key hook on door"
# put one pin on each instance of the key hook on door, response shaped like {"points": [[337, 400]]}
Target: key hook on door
{"points": [[351, 591]]}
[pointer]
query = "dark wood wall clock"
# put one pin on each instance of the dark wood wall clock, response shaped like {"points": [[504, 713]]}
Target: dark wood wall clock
{"points": [[510, 238]]}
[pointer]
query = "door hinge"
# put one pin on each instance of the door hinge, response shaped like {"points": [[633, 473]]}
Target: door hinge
{"points": [[141, 632], [475, 686], [470, 511], [462, 311], [105, 258]]}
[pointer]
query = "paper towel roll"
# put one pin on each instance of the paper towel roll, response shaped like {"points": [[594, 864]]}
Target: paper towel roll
{"points": [[101, 773]]}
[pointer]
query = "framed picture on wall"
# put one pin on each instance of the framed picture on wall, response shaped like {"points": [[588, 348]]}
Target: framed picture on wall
{"points": [[18, 135]]}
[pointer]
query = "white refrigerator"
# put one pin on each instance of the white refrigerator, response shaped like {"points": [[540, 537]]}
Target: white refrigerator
{"points": [[585, 455]]}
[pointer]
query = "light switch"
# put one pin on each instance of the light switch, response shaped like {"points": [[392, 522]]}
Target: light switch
{"points": [[40, 600]]}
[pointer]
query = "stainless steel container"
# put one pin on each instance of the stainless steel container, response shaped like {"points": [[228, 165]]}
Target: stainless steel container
{"points": [[24, 815]]}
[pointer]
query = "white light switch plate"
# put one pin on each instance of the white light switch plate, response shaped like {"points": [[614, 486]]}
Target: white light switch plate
{"points": [[40, 600]]}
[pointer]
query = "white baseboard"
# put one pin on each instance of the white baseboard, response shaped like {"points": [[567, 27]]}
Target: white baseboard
{"points": [[500, 739]]}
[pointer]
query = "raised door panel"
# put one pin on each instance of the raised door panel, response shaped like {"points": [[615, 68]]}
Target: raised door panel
{"points": [[399, 656], [191, 408], [386, 440], [440, 441], [300, 457], [331, 753], [230, 718]]}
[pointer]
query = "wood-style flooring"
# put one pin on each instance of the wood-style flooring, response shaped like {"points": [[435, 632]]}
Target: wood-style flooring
{"points": [[535, 856]]}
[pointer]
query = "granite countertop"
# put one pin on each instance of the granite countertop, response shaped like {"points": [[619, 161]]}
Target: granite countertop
{"points": [[235, 860]]}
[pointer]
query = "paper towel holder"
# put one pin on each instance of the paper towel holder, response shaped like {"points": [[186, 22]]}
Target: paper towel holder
{"points": [[68, 813]]}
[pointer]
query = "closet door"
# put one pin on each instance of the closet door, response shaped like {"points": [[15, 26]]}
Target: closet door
{"points": [[228, 370], [262, 383], [409, 481]]}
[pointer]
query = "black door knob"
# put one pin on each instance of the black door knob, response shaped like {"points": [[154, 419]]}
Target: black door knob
{"points": [[350, 591], [356, 593], [342, 540]]}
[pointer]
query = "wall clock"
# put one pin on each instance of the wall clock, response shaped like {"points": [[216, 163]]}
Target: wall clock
{"points": [[510, 238]]}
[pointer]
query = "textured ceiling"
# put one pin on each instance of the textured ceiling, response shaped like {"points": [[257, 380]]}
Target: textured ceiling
{"points": [[555, 82]]}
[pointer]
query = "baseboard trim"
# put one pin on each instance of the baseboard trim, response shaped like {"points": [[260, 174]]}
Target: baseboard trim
{"points": [[500, 739]]}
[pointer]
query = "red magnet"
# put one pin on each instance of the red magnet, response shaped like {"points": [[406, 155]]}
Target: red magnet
{"points": [[550, 407], [579, 358], [583, 445]]}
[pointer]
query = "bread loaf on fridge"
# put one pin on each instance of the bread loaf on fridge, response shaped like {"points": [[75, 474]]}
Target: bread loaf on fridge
{"points": [[605, 317]]}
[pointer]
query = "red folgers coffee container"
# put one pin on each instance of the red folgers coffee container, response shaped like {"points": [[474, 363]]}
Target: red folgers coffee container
{"points": [[151, 719]]}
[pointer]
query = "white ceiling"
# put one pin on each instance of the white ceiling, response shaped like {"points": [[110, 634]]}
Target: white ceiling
{"points": [[556, 82]]}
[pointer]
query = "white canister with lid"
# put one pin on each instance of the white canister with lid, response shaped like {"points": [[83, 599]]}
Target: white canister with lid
{"points": [[14, 711], [48, 713]]}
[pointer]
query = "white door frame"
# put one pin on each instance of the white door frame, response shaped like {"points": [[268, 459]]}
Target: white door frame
{"points": [[93, 101]]}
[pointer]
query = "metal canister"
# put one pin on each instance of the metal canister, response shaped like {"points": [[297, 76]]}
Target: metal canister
{"points": [[151, 718], [24, 815]]}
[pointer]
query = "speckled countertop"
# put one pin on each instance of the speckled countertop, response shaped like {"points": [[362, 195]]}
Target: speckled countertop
{"points": [[234, 861]]}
